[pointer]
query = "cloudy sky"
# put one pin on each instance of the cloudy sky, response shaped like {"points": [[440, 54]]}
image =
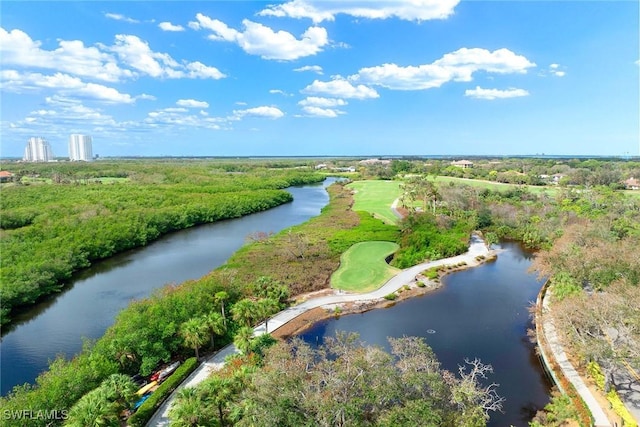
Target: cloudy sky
{"points": [[307, 77]]}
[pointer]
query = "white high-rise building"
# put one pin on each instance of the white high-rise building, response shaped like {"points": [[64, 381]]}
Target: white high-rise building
{"points": [[80, 148], [38, 150]]}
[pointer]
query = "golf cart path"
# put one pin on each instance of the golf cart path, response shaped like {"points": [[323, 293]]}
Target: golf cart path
{"points": [[477, 247]]}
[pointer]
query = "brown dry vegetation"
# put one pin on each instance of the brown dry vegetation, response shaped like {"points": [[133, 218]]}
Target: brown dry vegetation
{"points": [[300, 257]]}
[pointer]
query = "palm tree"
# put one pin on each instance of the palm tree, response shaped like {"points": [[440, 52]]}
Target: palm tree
{"points": [[189, 410], [220, 298], [424, 189], [194, 333], [121, 389], [244, 311], [94, 409], [215, 324], [243, 339], [219, 393], [266, 307]]}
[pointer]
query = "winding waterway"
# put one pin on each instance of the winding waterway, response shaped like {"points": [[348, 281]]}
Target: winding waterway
{"points": [[480, 312], [88, 306]]}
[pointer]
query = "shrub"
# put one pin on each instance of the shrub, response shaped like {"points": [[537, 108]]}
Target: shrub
{"points": [[431, 273], [148, 408], [614, 399], [620, 409], [420, 284], [423, 239], [391, 296], [564, 285], [556, 413]]}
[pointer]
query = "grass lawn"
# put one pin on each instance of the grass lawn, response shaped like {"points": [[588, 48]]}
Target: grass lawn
{"points": [[499, 186], [376, 197], [363, 267]]}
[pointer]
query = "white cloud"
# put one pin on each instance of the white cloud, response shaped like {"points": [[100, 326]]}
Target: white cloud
{"points": [[72, 56], [257, 39], [199, 70], [340, 88], [278, 91], [456, 66], [64, 84], [492, 94], [119, 17], [192, 103], [316, 101], [264, 111], [181, 118], [314, 68], [137, 54], [62, 115], [103, 93], [556, 70], [98, 62], [322, 112], [168, 26], [322, 10]]}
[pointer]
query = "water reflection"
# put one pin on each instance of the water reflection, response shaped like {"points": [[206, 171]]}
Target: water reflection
{"points": [[89, 305], [481, 312]]}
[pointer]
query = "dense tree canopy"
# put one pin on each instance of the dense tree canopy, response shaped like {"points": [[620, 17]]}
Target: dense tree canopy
{"points": [[50, 230], [588, 234], [344, 383]]}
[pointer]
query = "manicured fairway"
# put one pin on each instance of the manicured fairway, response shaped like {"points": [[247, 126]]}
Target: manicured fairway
{"points": [[376, 197], [363, 267]]}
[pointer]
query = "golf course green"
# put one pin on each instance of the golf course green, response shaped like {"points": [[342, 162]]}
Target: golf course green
{"points": [[363, 267]]}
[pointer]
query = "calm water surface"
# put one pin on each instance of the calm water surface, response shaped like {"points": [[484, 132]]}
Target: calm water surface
{"points": [[89, 305], [480, 312]]}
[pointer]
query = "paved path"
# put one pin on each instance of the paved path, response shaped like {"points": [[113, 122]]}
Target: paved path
{"points": [[394, 208], [215, 362], [550, 334], [627, 385]]}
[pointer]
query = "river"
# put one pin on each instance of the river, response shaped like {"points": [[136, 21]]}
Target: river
{"points": [[480, 312], [89, 305]]}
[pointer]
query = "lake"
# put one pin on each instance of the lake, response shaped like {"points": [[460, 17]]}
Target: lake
{"points": [[480, 312]]}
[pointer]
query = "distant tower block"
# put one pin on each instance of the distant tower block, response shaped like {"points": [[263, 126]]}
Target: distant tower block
{"points": [[38, 150], [80, 148]]}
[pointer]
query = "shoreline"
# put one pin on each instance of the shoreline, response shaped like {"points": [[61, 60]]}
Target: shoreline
{"points": [[320, 305], [308, 319]]}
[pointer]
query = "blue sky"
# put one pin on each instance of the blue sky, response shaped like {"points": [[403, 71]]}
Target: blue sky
{"points": [[306, 77]]}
